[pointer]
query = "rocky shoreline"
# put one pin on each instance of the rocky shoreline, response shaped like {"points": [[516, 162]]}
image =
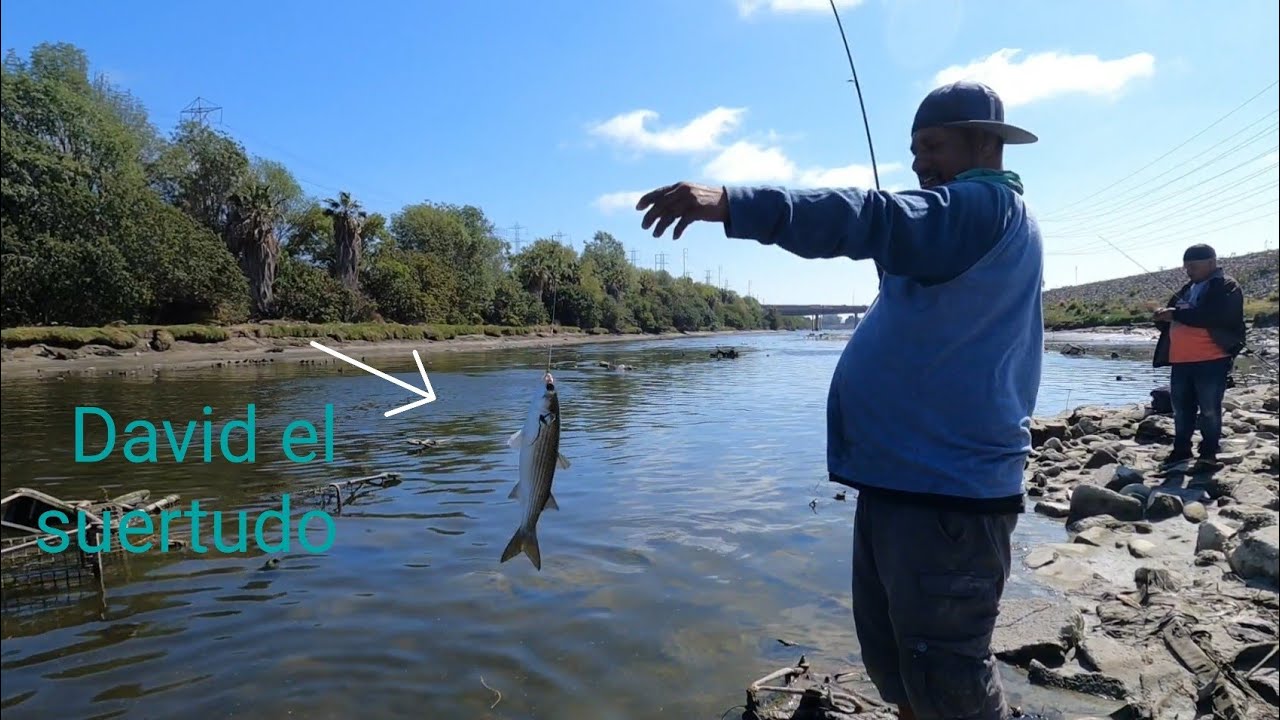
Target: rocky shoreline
{"points": [[1170, 578], [1164, 588]]}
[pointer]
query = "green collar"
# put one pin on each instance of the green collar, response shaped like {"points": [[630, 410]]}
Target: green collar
{"points": [[1008, 178]]}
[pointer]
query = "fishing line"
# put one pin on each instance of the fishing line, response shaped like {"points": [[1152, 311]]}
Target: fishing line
{"points": [[555, 294]]}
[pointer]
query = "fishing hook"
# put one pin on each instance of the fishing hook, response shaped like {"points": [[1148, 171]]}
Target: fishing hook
{"points": [[875, 170]]}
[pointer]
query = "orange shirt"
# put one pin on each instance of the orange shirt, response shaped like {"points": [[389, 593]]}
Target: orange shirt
{"points": [[1189, 344]]}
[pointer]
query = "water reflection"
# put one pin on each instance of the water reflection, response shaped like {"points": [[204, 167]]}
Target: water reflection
{"points": [[685, 546]]}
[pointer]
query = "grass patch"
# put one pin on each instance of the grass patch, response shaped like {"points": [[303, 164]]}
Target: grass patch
{"points": [[122, 337], [62, 336], [1076, 314]]}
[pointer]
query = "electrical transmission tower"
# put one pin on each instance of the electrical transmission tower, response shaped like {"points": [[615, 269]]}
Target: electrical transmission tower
{"points": [[633, 258], [660, 262], [720, 276], [684, 267], [199, 110], [708, 280], [515, 236]]}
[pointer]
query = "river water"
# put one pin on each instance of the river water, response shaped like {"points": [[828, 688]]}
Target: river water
{"points": [[696, 529]]}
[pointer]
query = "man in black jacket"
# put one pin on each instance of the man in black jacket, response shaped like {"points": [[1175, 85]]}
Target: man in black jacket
{"points": [[1201, 332]]}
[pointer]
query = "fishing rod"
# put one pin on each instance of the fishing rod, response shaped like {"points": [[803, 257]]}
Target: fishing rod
{"points": [[875, 171], [1176, 293]]}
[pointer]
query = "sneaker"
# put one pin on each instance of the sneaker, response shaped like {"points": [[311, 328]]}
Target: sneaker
{"points": [[1207, 463]]}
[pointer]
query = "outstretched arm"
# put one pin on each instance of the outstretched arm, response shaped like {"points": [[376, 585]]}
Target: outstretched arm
{"points": [[928, 235]]}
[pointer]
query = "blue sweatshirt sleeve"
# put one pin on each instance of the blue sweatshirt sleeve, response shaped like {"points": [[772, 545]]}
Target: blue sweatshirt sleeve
{"points": [[928, 235]]}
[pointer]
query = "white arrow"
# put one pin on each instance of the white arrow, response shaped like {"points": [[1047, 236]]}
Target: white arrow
{"points": [[428, 395]]}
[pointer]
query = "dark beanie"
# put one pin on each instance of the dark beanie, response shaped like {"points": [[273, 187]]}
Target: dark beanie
{"points": [[1198, 252]]}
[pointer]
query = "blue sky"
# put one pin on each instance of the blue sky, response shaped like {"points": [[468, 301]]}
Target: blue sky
{"points": [[555, 115]]}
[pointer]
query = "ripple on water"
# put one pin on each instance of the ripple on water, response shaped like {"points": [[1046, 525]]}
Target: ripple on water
{"points": [[684, 549]]}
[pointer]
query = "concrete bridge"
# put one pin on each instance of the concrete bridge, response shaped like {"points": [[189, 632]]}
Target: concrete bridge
{"points": [[817, 311]]}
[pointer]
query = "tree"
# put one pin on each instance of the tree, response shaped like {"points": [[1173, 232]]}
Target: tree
{"points": [[199, 171], [253, 214], [348, 222]]}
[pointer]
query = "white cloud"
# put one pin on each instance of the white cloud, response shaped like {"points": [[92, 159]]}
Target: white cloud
{"points": [[749, 7], [746, 162], [1050, 74], [610, 203], [700, 134]]}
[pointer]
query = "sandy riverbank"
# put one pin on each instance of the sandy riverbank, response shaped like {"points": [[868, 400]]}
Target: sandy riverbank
{"points": [[45, 361]]}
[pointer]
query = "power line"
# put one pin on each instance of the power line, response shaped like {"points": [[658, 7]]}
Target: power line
{"points": [[1241, 192], [1147, 191], [1168, 152], [1233, 185], [1123, 200], [1213, 224]]}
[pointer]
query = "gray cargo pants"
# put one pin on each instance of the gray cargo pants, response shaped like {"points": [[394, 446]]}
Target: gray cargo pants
{"points": [[927, 584]]}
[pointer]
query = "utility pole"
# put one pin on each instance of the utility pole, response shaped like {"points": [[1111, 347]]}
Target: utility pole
{"points": [[748, 288], [708, 280], [633, 258], [557, 235], [720, 276], [660, 262]]}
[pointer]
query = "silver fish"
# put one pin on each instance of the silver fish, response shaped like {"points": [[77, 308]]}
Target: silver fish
{"points": [[539, 443]]}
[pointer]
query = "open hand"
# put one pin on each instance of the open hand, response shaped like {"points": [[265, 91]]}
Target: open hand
{"points": [[686, 201]]}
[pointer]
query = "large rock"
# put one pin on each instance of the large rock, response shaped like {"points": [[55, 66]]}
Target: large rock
{"points": [[1252, 492], [1163, 505], [1090, 500], [1213, 535], [1053, 509], [1104, 655], [1101, 458], [1036, 629], [1042, 430], [1155, 429], [1256, 554], [1096, 536]]}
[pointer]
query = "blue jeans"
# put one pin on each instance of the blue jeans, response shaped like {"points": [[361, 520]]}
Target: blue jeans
{"points": [[1196, 390]]}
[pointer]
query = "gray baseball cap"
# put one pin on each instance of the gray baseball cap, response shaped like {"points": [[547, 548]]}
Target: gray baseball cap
{"points": [[969, 104]]}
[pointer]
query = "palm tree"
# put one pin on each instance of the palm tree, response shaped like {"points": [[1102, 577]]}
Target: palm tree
{"points": [[348, 222], [253, 214]]}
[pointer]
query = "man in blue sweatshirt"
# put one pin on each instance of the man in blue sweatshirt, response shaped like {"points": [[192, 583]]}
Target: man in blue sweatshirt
{"points": [[929, 409]]}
